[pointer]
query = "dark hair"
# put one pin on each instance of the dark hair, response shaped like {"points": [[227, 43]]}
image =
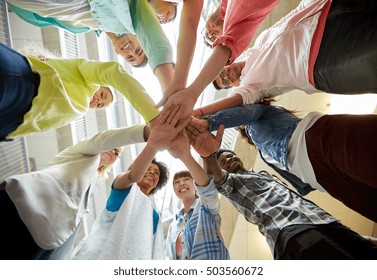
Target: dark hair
{"points": [[266, 101], [205, 41], [141, 64], [221, 151], [175, 11], [164, 176], [180, 174], [216, 86]]}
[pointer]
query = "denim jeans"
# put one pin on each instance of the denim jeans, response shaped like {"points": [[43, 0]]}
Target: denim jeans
{"points": [[347, 59], [18, 86]]}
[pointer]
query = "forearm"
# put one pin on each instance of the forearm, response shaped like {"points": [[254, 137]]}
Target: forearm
{"points": [[211, 166], [110, 139], [138, 169], [188, 26], [224, 103], [197, 172], [164, 73], [113, 74], [210, 70]]}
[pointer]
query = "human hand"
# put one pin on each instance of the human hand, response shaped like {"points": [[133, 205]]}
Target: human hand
{"points": [[173, 88], [182, 98], [182, 148], [203, 141], [166, 128], [197, 113]]}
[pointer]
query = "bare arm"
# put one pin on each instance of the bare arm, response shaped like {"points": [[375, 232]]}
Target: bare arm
{"points": [[206, 144], [188, 26], [164, 74], [188, 96], [221, 104], [182, 151], [163, 136]]}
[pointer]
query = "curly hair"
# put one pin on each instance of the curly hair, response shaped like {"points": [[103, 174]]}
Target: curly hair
{"points": [[164, 176]]}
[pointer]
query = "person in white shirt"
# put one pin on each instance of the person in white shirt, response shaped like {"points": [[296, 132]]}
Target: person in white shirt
{"points": [[44, 208], [301, 52]]}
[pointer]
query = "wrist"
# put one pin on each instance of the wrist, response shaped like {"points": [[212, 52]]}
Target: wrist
{"points": [[201, 112], [209, 156]]}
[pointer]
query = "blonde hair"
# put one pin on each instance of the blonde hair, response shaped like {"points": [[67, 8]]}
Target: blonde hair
{"points": [[37, 52], [104, 169]]}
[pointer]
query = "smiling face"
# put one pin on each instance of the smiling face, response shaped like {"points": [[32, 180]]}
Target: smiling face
{"points": [[129, 47], [150, 179], [165, 11], [102, 98], [109, 157], [229, 76], [184, 188], [230, 162], [213, 28]]}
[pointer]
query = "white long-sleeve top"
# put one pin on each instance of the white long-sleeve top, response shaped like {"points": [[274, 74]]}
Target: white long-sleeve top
{"points": [[278, 61], [53, 201]]}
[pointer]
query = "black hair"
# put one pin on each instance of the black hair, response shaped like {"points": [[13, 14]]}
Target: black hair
{"points": [[216, 86], [221, 151], [164, 176]]}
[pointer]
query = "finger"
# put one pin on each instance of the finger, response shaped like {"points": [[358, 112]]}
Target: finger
{"points": [[183, 123], [220, 133], [191, 130], [174, 115], [164, 115], [198, 126], [161, 103], [190, 134]]}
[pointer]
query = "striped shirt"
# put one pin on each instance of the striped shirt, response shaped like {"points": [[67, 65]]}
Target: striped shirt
{"points": [[199, 229], [269, 204]]}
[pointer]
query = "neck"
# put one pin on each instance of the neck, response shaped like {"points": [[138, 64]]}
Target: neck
{"points": [[187, 204]]}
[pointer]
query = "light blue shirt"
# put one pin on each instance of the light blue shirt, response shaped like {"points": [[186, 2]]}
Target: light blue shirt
{"points": [[199, 229]]}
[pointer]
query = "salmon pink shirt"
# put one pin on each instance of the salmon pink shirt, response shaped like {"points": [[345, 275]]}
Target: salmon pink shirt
{"points": [[241, 21]]}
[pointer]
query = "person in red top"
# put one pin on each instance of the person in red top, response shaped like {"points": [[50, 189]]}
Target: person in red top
{"points": [[241, 19]]}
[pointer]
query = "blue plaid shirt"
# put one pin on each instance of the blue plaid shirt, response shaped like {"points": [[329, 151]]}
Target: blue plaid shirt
{"points": [[199, 228], [269, 204]]}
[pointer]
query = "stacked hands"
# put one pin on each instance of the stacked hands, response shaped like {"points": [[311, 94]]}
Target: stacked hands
{"points": [[175, 132]]}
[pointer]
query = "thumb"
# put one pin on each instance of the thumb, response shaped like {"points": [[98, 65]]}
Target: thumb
{"points": [[220, 133], [161, 102]]}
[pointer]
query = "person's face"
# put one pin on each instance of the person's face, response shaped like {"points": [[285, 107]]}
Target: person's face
{"points": [[229, 76], [213, 27], [129, 47], [102, 98], [109, 157], [184, 188], [230, 162], [150, 179], [165, 11]]}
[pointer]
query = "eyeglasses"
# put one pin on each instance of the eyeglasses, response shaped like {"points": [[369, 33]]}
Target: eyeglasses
{"points": [[208, 40], [115, 152], [225, 79]]}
